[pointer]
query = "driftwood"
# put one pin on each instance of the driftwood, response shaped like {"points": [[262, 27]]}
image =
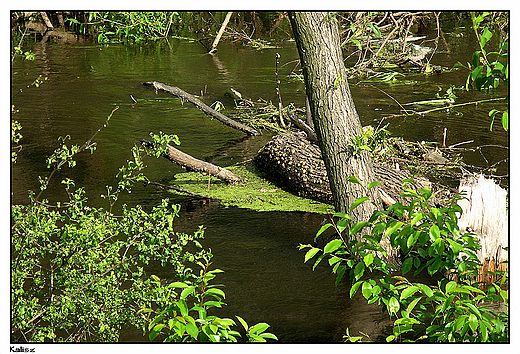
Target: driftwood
{"points": [[192, 164], [295, 162], [220, 32], [202, 106], [484, 213]]}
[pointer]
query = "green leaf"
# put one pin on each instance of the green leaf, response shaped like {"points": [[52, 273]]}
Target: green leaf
{"points": [[177, 284], [473, 322], [368, 259], [409, 291], [412, 304], [310, 253], [450, 287], [459, 322], [354, 288], [268, 335], [214, 291], [192, 330], [425, 289], [434, 267], [318, 261], [258, 328], [485, 37], [332, 246], [366, 290], [359, 270], [244, 323], [357, 202], [406, 321], [183, 308], [505, 120], [483, 331], [357, 227], [407, 265], [390, 338], [434, 232], [373, 184], [340, 272], [187, 291], [155, 331], [322, 229], [393, 228], [393, 306], [353, 179]]}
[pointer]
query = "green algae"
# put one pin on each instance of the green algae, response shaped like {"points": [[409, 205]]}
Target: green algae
{"points": [[254, 192]]}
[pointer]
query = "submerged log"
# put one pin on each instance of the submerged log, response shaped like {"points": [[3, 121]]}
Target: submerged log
{"points": [[295, 162], [202, 106], [485, 214]]}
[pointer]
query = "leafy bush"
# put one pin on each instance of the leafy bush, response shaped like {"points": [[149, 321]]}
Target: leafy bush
{"points": [[78, 272], [133, 26], [453, 310]]}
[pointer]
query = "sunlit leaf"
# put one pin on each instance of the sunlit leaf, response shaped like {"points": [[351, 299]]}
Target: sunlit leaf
{"points": [[357, 202], [354, 288], [393, 306], [368, 259], [332, 246], [373, 184], [311, 253]]}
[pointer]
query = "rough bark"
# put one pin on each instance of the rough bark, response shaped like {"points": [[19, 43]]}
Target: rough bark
{"points": [[202, 106], [334, 115], [293, 161]]}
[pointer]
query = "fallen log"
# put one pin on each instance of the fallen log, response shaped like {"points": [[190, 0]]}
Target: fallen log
{"points": [[202, 106], [292, 160], [192, 164]]}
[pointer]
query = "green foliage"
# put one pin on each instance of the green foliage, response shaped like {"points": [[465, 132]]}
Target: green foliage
{"points": [[488, 70], [15, 137], [78, 272], [134, 27], [429, 240], [370, 139], [179, 312], [76, 268]]}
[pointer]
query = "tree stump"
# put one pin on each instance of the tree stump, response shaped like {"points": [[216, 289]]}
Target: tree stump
{"points": [[485, 214]]}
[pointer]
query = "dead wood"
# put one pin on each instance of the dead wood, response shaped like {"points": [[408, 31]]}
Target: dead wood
{"points": [[292, 160], [202, 106], [192, 164], [220, 32], [485, 214]]}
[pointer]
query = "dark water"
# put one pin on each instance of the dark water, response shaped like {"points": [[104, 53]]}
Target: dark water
{"points": [[265, 278]]}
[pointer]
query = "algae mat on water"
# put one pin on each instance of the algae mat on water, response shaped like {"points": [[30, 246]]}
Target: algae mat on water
{"points": [[253, 193]]}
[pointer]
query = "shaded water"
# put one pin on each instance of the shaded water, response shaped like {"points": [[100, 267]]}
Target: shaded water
{"points": [[265, 278]]}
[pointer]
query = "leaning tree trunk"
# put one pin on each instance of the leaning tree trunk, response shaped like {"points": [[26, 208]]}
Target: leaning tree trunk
{"points": [[334, 116]]}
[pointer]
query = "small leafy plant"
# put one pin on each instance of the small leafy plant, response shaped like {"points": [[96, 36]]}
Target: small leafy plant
{"points": [[179, 312], [455, 309]]}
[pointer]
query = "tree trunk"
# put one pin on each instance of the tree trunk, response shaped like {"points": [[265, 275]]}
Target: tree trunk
{"points": [[334, 116]]}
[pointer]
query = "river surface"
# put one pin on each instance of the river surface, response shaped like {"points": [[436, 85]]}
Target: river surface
{"points": [[265, 277]]}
